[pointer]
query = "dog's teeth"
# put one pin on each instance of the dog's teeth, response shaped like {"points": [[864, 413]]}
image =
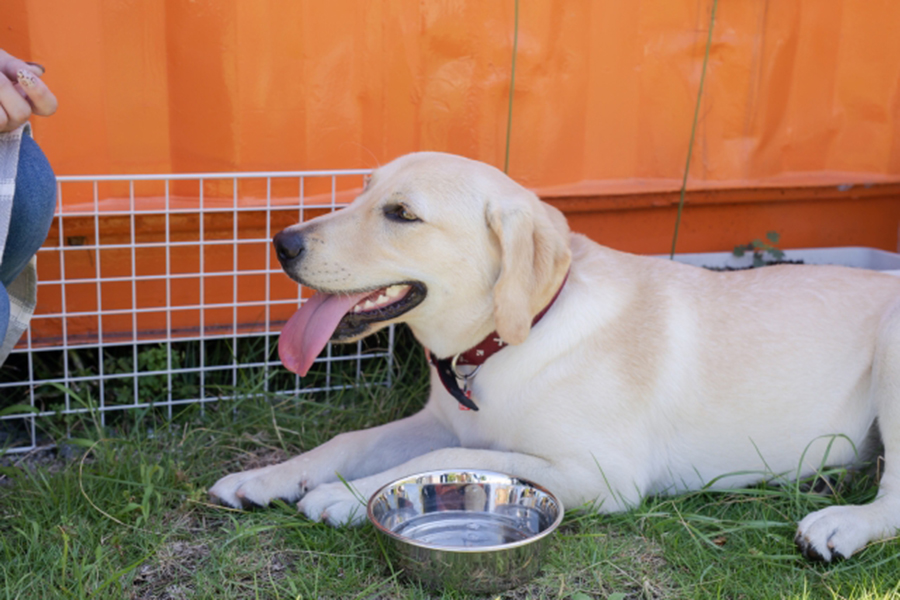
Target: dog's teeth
{"points": [[357, 308], [382, 299], [393, 291], [369, 304]]}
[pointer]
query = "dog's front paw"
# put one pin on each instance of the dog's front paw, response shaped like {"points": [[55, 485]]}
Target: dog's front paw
{"points": [[833, 533], [287, 481], [335, 504]]}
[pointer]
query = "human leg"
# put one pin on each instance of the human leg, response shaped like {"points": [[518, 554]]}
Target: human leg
{"points": [[4, 312], [32, 211]]}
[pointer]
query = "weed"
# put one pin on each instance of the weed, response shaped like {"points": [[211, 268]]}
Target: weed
{"points": [[761, 248]]}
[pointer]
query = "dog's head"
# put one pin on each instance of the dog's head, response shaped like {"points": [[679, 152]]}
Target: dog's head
{"points": [[451, 246]]}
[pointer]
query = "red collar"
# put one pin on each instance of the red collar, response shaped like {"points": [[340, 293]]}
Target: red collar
{"points": [[475, 357]]}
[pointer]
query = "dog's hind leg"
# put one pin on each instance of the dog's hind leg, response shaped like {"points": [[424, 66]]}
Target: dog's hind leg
{"points": [[839, 531]]}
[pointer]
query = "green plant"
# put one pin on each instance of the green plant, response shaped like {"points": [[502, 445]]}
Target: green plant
{"points": [[760, 248]]}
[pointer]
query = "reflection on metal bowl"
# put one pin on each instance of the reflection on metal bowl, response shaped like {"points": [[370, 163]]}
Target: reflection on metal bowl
{"points": [[468, 529]]}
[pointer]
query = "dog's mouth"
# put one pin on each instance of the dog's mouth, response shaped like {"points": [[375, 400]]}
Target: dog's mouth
{"points": [[382, 304], [342, 317]]}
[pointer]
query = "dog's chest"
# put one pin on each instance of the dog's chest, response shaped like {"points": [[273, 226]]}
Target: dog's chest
{"points": [[499, 422], [479, 429]]}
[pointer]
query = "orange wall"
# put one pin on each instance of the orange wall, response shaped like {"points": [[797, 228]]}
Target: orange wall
{"points": [[802, 97], [798, 91]]}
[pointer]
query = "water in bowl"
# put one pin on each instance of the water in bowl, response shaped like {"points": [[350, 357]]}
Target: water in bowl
{"points": [[471, 529]]}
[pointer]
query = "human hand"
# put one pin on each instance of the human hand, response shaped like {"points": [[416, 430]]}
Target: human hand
{"points": [[22, 93]]}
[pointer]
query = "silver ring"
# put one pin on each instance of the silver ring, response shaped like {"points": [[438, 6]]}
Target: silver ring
{"points": [[463, 376]]}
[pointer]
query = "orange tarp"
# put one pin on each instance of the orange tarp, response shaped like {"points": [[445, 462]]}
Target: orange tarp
{"points": [[801, 100], [797, 91]]}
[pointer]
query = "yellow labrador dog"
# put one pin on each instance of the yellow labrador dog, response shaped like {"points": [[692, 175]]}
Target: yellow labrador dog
{"points": [[604, 376]]}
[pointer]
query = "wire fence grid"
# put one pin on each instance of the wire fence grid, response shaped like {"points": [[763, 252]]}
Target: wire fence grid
{"points": [[164, 291]]}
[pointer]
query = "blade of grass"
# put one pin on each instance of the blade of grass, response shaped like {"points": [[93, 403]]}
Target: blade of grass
{"points": [[687, 166]]}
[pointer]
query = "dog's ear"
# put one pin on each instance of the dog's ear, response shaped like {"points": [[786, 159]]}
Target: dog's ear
{"points": [[534, 257]]}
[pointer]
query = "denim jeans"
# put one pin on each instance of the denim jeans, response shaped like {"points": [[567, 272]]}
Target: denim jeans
{"points": [[32, 213]]}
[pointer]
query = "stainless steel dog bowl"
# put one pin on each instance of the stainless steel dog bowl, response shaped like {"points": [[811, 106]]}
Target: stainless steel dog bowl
{"points": [[471, 530]]}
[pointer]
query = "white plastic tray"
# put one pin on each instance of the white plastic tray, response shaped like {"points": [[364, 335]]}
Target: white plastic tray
{"points": [[851, 256]]}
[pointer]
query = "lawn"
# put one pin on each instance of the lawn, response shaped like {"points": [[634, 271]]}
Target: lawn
{"points": [[122, 512]]}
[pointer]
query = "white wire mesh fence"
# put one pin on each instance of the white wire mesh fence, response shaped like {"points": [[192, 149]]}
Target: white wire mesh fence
{"points": [[163, 291]]}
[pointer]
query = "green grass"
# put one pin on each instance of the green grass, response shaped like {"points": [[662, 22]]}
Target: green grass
{"points": [[126, 516]]}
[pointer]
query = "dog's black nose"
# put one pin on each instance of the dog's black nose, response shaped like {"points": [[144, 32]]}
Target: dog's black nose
{"points": [[288, 245]]}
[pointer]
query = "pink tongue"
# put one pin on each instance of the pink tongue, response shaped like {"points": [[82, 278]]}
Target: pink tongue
{"points": [[307, 332]]}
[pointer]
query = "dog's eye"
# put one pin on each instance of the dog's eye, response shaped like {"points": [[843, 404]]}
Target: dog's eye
{"points": [[399, 212]]}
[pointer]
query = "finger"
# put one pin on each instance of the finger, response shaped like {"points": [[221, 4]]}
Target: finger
{"points": [[17, 109], [42, 100], [10, 65], [4, 121], [37, 68]]}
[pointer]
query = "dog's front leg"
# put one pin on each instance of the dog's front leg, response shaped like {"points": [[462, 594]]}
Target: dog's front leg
{"points": [[344, 504], [348, 456]]}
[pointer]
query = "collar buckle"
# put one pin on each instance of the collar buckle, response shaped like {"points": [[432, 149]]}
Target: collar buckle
{"points": [[464, 377]]}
